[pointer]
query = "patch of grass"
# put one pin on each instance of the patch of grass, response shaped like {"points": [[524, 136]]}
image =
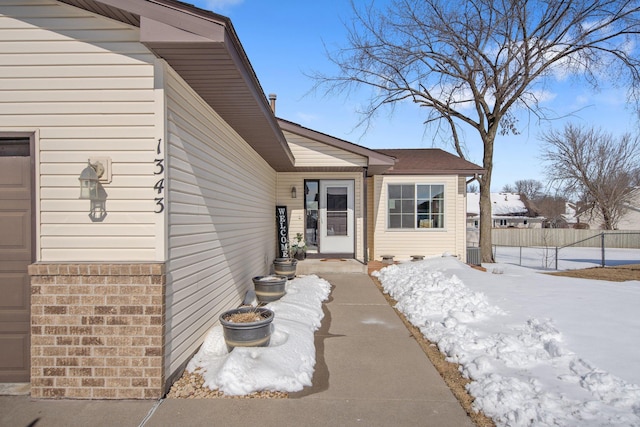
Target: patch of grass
{"points": [[621, 273]]}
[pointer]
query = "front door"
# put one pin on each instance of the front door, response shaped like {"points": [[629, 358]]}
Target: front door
{"points": [[336, 226], [15, 256]]}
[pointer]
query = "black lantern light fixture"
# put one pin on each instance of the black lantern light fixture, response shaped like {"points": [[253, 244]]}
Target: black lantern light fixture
{"points": [[294, 193]]}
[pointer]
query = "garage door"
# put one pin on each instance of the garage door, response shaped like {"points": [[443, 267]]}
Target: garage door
{"points": [[15, 256]]}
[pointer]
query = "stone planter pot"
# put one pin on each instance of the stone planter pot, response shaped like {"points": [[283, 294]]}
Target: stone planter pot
{"points": [[247, 334], [300, 255], [285, 267], [269, 288]]}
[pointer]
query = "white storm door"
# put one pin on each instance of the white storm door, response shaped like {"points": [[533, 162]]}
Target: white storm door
{"points": [[336, 217]]}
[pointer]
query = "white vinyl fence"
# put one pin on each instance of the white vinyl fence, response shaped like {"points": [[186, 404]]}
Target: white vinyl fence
{"points": [[558, 237]]}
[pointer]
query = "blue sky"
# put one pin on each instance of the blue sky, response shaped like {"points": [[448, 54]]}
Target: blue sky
{"points": [[285, 39]]}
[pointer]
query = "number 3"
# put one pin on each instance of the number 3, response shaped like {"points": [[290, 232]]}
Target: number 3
{"points": [[160, 204]]}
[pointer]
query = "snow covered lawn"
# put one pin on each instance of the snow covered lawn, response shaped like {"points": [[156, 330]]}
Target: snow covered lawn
{"points": [[286, 364], [540, 350]]}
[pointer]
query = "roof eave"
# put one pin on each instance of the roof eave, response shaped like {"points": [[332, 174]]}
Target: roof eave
{"points": [[460, 172], [377, 163], [205, 51]]}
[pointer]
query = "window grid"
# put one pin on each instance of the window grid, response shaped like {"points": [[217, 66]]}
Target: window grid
{"points": [[415, 206]]}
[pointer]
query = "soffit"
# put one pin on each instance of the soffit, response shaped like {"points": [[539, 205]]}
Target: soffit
{"points": [[203, 48], [330, 169]]}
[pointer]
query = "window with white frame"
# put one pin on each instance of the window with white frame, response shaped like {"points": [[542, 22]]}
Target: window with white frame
{"points": [[413, 206]]}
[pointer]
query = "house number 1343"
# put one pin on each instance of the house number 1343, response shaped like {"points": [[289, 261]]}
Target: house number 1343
{"points": [[159, 185]]}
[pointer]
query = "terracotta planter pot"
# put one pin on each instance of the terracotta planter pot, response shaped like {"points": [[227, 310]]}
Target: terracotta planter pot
{"points": [[269, 288], [247, 334]]}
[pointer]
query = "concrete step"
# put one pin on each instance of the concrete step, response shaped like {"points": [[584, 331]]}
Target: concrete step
{"points": [[330, 265]]}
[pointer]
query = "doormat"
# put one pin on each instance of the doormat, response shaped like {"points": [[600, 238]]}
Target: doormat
{"points": [[332, 259]]}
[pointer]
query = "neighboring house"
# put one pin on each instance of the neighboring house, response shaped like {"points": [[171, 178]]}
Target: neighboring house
{"points": [[571, 217], [508, 210], [630, 219], [108, 297]]}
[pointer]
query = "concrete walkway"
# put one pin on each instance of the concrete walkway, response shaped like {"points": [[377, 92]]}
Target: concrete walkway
{"points": [[369, 372]]}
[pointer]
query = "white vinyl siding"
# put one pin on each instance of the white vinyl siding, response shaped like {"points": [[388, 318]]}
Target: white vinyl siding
{"points": [[461, 220], [85, 85], [403, 243], [309, 153], [221, 219], [371, 206], [295, 207]]}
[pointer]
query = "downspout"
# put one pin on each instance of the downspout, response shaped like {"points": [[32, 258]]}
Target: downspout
{"points": [[365, 243]]}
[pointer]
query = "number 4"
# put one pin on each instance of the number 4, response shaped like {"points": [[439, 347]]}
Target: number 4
{"points": [[159, 186]]}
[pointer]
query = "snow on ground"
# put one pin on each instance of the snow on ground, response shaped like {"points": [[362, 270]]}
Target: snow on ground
{"points": [[540, 350], [286, 364], [568, 258]]}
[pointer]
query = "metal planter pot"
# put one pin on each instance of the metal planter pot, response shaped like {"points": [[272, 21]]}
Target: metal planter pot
{"points": [[285, 267], [247, 334], [269, 288]]}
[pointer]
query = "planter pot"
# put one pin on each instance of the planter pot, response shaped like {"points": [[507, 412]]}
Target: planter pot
{"points": [[269, 288], [300, 255], [285, 267], [247, 334]]}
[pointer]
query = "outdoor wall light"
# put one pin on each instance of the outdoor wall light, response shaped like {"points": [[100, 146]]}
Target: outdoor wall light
{"points": [[89, 181], [91, 189], [294, 193]]}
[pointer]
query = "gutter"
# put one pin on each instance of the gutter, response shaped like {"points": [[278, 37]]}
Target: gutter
{"points": [[365, 242]]}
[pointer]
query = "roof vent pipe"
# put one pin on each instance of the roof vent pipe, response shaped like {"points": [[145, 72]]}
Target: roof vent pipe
{"points": [[272, 102]]}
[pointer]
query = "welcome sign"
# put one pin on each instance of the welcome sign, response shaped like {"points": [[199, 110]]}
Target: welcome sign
{"points": [[283, 232]]}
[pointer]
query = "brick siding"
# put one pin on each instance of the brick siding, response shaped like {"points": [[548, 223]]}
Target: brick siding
{"points": [[97, 331]]}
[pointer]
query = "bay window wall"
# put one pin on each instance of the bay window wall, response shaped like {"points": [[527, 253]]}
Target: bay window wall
{"points": [[415, 206]]}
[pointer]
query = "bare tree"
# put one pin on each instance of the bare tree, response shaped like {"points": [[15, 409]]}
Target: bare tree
{"points": [[475, 63], [595, 167], [472, 188], [508, 188], [530, 188]]}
